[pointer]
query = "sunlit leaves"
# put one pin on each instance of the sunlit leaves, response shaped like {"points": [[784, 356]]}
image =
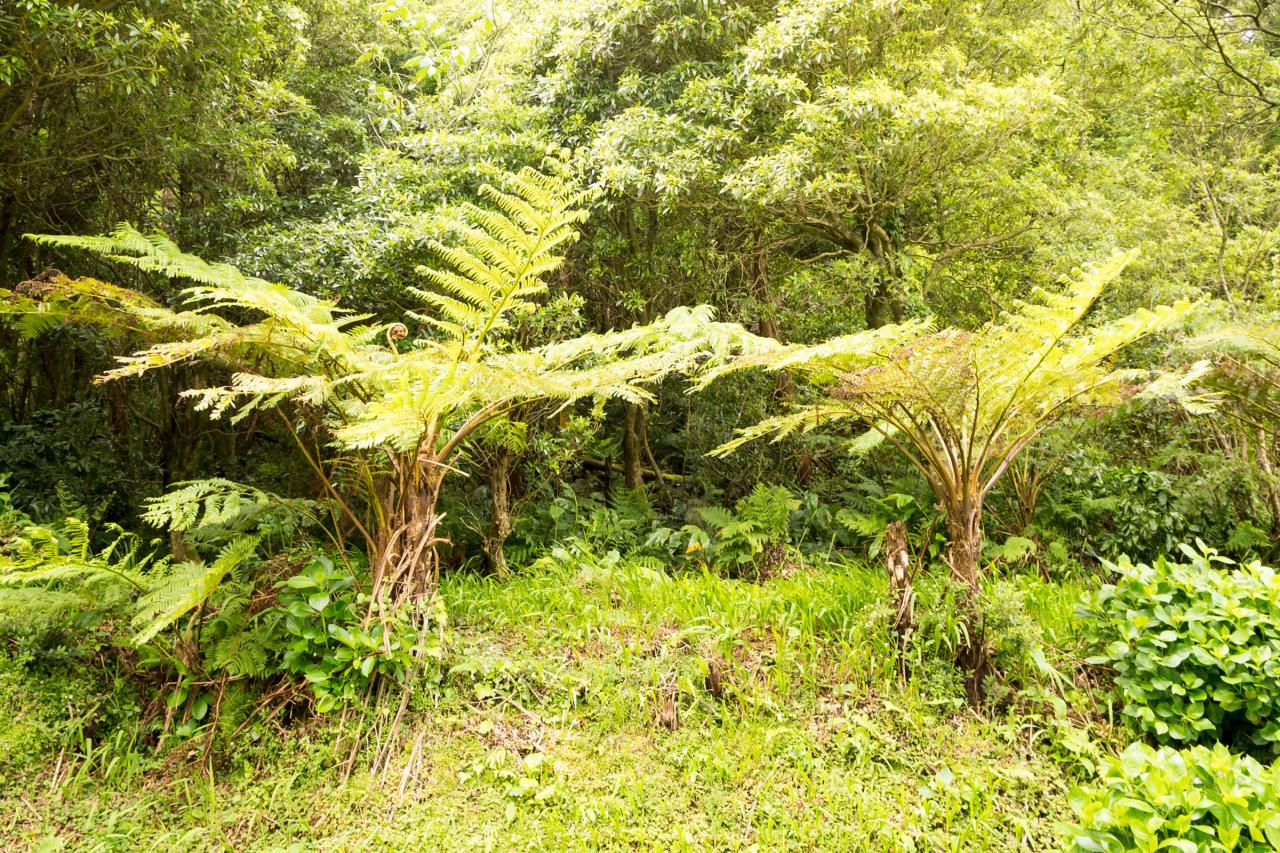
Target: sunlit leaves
{"points": [[963, 404]]}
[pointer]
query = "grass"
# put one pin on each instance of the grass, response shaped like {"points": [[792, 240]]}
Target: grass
{"points": [[591, 703]]}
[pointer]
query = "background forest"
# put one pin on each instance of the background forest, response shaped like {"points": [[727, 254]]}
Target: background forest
{"points": [[547, 424]]}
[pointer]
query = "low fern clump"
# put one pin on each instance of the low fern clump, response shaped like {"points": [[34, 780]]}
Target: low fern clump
{"points": [[1166, 799], [752, 538], [1195, 647]]}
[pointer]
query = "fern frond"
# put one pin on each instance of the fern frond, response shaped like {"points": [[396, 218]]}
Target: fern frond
{"points": [[826, 361], [186, 587], [46, 557], [215, 508], [800, 419], [243, 653], [502, 256]]}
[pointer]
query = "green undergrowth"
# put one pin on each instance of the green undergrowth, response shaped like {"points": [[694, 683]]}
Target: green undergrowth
{"points": [[592, 702]]}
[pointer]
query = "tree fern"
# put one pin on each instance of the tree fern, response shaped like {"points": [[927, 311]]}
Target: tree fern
{"points": [[415, 403], [960, 406]]}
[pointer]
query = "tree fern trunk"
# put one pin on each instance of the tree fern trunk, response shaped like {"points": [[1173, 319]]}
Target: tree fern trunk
{"points": [[500, 509], [633, 428], [965, 548], [406, 565], [897, 561], [964, 526]]}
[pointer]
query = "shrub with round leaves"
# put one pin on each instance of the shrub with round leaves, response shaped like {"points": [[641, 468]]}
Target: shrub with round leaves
{"points": [[1194, 799], [1195, 647], [338, 652]]}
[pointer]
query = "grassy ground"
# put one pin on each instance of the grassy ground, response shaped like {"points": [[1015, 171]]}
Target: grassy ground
{"points": [[590, 705]]}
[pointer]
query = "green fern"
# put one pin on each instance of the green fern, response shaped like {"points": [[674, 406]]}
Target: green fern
{"points": [[504, 256], [417, 402], [1246, 373], [960, 405], [186, 587], [215, 508], [243, 651], [45, 556]]}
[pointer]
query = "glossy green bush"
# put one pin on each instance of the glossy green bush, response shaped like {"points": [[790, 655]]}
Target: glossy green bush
{"points": [[1167, 799], [337, 652], [1195, 648]]}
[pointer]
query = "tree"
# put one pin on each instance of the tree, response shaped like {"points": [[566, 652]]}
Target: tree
{"points": [[396, 410], [961, 406], [106, 105], [1246, 379]]}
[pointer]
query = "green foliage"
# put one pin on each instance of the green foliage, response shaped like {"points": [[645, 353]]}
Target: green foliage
{"points": [[1193, 646], [68, 448], [753, 535], [60, 563], [54, 585], [46, 555], [1190, 800], [215, 510], [986, 394], [415, 406], [52, 705], [1113, 511], [340, 653], [504, 258], [185, 587], [877, 513]]}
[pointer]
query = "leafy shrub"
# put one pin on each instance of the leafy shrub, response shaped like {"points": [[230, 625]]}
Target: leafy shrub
{"points": [[331, 647], [621, 520], [1195, 647], [69, 453], [869, 507], [52, 581], [203, 627], [754, 535], [1112, 511], [1191, 800]]}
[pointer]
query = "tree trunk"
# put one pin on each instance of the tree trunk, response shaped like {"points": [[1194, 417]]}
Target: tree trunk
{"points": [[1273, 491], [877, 306], [783, 385], [633, 430], [897, 559], [6, 233], [405, 565], [964, 527], [499, 476]]}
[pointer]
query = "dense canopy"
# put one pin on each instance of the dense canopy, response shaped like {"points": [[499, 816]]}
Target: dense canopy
{"points": [[563, 424]]}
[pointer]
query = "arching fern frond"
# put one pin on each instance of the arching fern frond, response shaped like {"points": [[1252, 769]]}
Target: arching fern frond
{"points": [[222, 505], [156, 253], [185, 587], [503, 256], [960, 404]]}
